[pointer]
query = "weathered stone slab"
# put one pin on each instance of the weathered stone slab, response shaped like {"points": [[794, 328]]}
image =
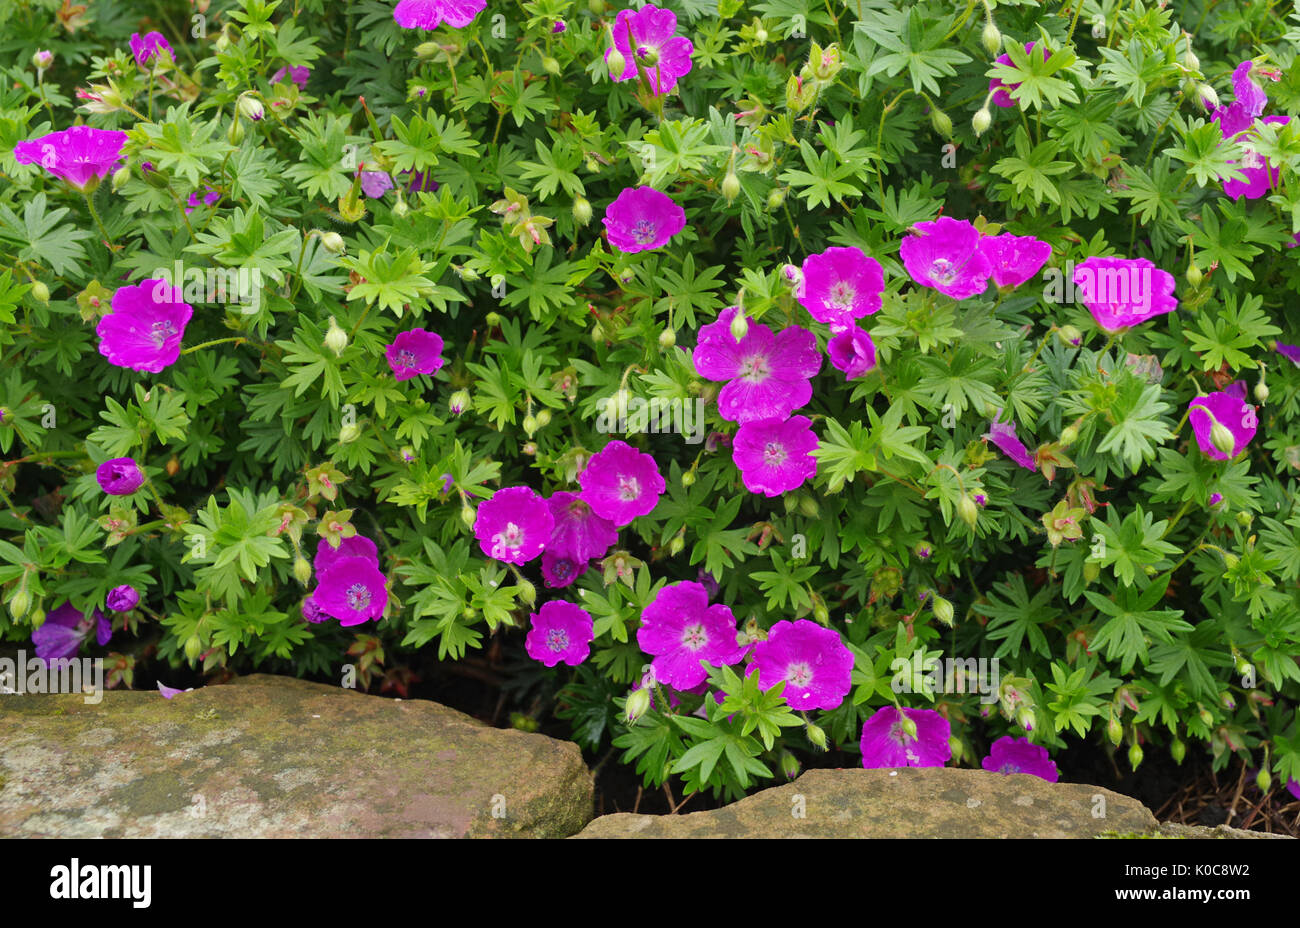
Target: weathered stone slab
{"points": [[935, 802], [273, 756]]}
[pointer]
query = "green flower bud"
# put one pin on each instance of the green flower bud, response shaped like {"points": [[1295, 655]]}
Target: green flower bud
{"points": [[942, 610], [543, 418], [467, 515], [739, 326], [120, 177], [1222, 438], [37, 617], [1091, 571], [596, 6], [1208, 95], [332, 242], [40, 292], [527, 592], [908, 726], [581, 210], [789, 765], [816, 736], [967, 509], [616, 63], [760, 35], [1114, 731], [730, 186], [667, 338], [638, 701], [776, 199], [688, 478], [1190, 61], [251, 108], [235, 134], [1070, 335], [336, 339], [1194, 275], [1261, 392], [19, 605], [941, 122], [1069, 435], [1099, 29], [530, 424], [349, 433], [193, 647], [1135, 755], [1025, 718], [991, 38], [550, 65], [1230, 560], [981, 121], [1264, 780], [676, 546], [400, 208], [1244, 519], [1178, 751], [427, 49], [808, 506], [492, 319], [459, 402], [302, 570]]}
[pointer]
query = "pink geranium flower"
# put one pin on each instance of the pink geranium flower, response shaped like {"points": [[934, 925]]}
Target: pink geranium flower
{"points": [[999, 88], [430, 14], [150, 47], [775, 455], [514, 525], [145, 327], [579, 533], [1013, 259], [682, 631], [642, 219], [1003, 434], [885, 743], [945, 254], [661, 55], [352, 590], [621, 483], [80, 155], [561, 632], [813, 661], [1228, 410], [768, 374], [418, 351], [66, 628], [1010, 755], [840, 285], [852, 352], [1122, 292], [560, 570]]}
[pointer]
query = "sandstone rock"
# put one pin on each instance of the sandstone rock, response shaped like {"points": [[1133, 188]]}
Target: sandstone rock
{"points": [[273, 756], [934, 802]]}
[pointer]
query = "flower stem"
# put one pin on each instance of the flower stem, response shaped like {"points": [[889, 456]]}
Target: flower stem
{"points": [[94, 214], [238, 339]]}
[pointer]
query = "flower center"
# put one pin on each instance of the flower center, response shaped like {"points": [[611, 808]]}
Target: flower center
{"points": [[563, 570], [557, 639], [1252, 159], [943, 270], [799, 674], [406, 358], [644, 232], [1008, 767], [512, 536], [579, 509], [774, 454], [899, 736], [358, 596], [161, 331], [842, 295], [629, 488], [755, 369], [694, 637]]}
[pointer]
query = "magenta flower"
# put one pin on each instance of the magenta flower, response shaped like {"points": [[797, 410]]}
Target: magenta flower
{"points": [[681, 630], [82, 156], [945, 254], [65, 629], [579, 533], [1290, 352], [1001, 90], [352, 590], [421, 182], [768, 374], [119, 476], [375, 184], [122, 598], [852, 352], [558, 26], [514, 525], [1229, 411], [430, 14], [418, 351], [1215, 499], [1124, 292], [561, 632], [210, 195], [150, 47], [775, 455], [356, 546], [621, 483], [298, 75], [1010, 755], [1261, 176], [1293, 787], [663, 57], [1003, 434], [145, 327], [1014, 258], [1246, 93], [886, 744], [311, 610], [840, 285], [642, 218], [813, 661], [560, 570]]}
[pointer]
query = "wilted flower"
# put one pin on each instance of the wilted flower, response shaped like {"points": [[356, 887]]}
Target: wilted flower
{"points": [[1010, 755], [887, 743], [119, 476], [621, 483], [352, 590], [768, 374], [813, 661], [663, 57], [774, 455], [122, 598], [642, 218], [1003, 434], [1124, 292], [79, 155], [1013, 259], [840, 285], [680, 629], [145, 327], [1233, 415], [514, 525], [561, 632], [65, 629], [430, 14], [417, 351], [312, 612], [852, 352], [149, 47], [579, 534], [945, 254]]}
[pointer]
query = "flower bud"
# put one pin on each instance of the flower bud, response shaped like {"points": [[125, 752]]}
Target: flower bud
{"points": [[20, 603], [527, 592], [908, 726], [968, 511], [739, 326], [543, 418], [596, 6], [42, 59], [336, 340], [1264, 780], [1070, 335], [550, 65], [1091, 571], [581, 210], [1208, 96], [922, 549], [730, 186], [942, 610], [41, 292], [808, 506], [459, 402], [120, 177], [688, 478], [1190, 61], [676, 546], [1114, 731], [638, 701], [530, 424], [789, 765], [941, 122], [667, 338], [466, 273], [598, 334], [1244, 518], [1194, 275], [332, 242], [1135, 755], [816, 736], [37, 617], [1099, 29], [991, 38], [1230, 560], [193, 647], [776, 199], [1222, 438], [1069, 435], [492, 319], [1178, 751], [349, 433], [615, 62], [251, 108], [1261, 391], [302, 570], [1025, 718], [467, 515], [427, 49], [400, 208], [981, 121]]}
